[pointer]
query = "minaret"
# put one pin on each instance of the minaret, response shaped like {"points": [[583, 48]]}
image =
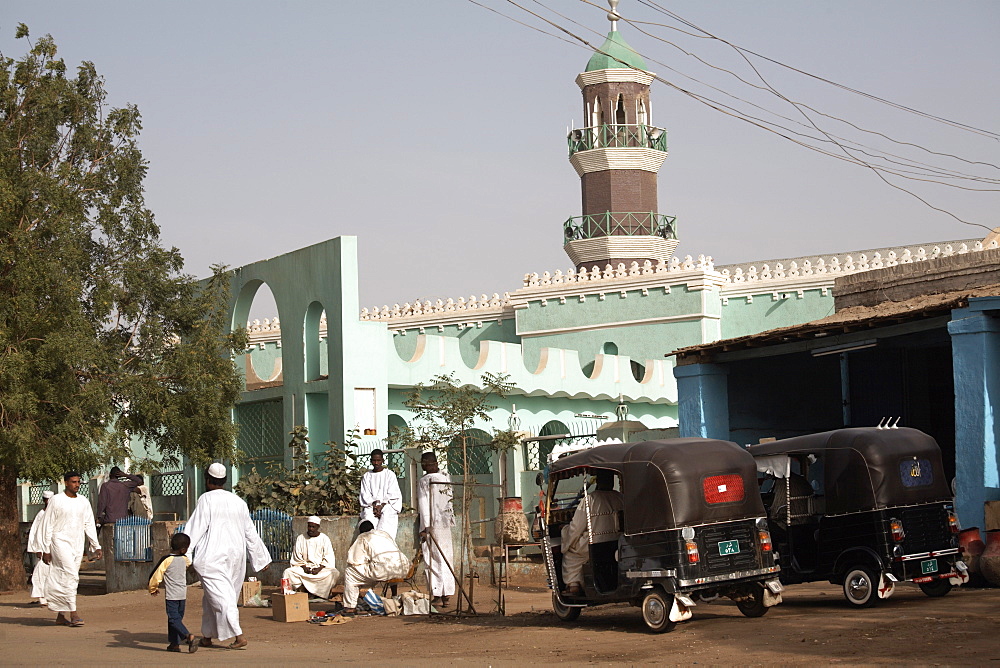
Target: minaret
{"points": [[617, 155]]}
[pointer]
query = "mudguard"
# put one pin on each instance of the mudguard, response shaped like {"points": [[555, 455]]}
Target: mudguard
{"points": [[886, 585], [679, 612], [772, 593], [963, 574]]}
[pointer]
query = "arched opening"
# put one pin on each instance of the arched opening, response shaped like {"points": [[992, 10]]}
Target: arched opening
{"points": [[479, 454], [609, 348], [642, 118], [257, 310], [596, 114], [620, 110], [314, 343], [541, 457], [638, 371], [397, 429]]}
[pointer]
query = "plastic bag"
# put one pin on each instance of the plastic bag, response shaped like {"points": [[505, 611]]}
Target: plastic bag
{"points": [[416, 603], [393, 606], [373, 602]]}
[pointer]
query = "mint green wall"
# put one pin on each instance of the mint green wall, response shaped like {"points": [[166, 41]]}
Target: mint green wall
{"points": [[740, 318], [469, 338]]}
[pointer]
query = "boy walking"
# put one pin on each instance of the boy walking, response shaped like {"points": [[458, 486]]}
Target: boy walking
{"points": [[172, 572]]}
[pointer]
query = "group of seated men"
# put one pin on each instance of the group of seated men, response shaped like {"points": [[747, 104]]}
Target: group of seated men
{"points": [[374, 557]]}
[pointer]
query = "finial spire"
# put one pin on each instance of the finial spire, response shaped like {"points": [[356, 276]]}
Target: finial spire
{"points": [[613, 15]]}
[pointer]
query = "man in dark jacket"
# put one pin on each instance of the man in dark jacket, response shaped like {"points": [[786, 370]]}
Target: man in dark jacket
{"points": [[112, 501]]}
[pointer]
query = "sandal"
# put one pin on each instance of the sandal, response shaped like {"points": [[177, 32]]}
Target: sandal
{"points": [[76, 622], [205, 642], [193, 644], [237, 645], [62, 621]]}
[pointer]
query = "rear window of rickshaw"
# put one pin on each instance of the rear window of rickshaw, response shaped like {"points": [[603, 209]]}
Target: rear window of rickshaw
{"points": [[916, 472], [723, 488]]}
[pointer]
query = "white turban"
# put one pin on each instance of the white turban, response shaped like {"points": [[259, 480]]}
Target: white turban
{"points": [[217, 470], [48, 494], [312, 519]]}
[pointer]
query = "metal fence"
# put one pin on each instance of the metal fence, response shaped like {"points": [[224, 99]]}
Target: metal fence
{"points": [[262, 435], [275, 529], [167, 484], [626, 223], [614, 135], [538, 448], [35, 493], [133, 539]]}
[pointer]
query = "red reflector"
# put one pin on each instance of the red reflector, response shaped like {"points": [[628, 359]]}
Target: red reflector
{"points": [[723, 488]]}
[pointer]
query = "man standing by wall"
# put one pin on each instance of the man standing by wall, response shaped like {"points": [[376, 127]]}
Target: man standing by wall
{"points": [[35, 545], [380, 498], [437, 517], [69, 519], [112, 501], [222, 535]]}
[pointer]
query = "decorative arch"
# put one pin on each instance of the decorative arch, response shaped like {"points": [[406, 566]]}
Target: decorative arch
{"points": [[313, 338], [262, 362], [478, 450]]}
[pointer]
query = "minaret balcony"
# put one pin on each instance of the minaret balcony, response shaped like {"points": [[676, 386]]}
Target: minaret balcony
{"points": [[617, 136], [628, 224]]}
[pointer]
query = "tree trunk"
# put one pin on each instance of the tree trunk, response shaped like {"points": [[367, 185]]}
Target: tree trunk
{"points": [[12, 576]]}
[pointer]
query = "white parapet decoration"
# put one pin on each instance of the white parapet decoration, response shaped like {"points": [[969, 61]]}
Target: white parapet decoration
{"points": [[558, 374]]}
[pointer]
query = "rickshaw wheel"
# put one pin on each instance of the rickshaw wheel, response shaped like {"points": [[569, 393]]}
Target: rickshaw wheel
{"points": [[656, 612], [861, 586], [754, 606], [936, 589], [565, 613]]}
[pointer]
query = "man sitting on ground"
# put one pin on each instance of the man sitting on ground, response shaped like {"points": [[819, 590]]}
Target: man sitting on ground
{"points": [[373, 558], [313, 564]]}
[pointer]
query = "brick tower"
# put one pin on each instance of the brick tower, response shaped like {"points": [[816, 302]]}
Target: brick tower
{"points": [[617, 156]]}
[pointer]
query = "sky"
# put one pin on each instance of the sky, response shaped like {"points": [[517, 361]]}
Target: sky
{"points": [[435, 131]]}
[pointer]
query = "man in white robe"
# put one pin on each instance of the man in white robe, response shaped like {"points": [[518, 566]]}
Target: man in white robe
{"points": [[604, 506], [437, 517], [313, 564], [380, 498], [222, 536], [41, 570], [373, 558], [69, 523]]}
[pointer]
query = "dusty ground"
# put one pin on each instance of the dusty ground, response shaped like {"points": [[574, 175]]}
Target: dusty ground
{"points": [[813, 625]]}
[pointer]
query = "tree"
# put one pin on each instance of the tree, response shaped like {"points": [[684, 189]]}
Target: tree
{"points": [[444, 411], [102, 338]]}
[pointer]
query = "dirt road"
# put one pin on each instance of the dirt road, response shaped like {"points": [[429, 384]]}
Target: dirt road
{"points": [[813, 624]]}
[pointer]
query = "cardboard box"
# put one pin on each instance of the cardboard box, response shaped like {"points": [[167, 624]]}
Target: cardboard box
{"points": [[290, 607], [250, 589]]}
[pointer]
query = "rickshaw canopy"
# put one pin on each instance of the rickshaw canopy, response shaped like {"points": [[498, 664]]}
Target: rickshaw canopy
{"points": [[674, 483], [866, 468]]}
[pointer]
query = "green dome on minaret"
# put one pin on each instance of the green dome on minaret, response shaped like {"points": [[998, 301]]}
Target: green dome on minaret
{"points": [[619, 55]]}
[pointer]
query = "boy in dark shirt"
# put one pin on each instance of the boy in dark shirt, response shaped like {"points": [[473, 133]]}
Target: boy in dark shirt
{"points": [[172, 572]]}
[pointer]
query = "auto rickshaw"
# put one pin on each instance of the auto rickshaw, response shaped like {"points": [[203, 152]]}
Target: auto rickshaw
{"points": [[865, 508], [691, 529]]}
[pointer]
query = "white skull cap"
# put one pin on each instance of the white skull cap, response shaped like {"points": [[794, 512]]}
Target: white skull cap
{"points": [[48, 494], [312, 519], [217, 470]]}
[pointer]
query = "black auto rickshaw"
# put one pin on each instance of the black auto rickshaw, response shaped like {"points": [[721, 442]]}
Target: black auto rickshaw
{"points": [[691, 527], [865, 508]]}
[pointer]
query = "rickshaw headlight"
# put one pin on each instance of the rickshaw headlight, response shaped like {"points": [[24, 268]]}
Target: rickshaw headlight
{"points": [[896, 527], [692, 551], [953, 522]]}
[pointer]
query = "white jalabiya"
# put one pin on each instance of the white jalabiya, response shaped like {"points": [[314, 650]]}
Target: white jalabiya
{"points": [[604, 508], [309, 553], [373, 558], [222, 536], [437, 515], [68, 524], [381, 487], [41, 568]]}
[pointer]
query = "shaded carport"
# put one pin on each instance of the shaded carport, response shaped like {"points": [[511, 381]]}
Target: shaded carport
{"points": [[900, 359]]}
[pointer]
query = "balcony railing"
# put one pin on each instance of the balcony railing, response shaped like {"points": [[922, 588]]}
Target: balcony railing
{"points": [[617, 136], [612, 224]]}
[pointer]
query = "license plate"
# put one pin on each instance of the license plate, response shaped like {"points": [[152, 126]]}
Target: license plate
{"points": [[729, 547], [928, 566]]}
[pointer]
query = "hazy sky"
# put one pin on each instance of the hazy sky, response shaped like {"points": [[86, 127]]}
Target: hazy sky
{"points": [[435, 131]]}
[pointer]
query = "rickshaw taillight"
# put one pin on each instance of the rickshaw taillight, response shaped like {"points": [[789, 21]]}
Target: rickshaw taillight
{"points": [[765, 540], [692, 551], [953, 522], [896, 527]]}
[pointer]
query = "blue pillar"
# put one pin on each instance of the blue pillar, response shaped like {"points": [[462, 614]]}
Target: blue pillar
{"points": [[703, 400], [975, 344]]}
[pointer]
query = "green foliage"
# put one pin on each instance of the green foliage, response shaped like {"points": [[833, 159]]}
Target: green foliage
{"points": [[102, 337], [304, 490], [444, 410]]}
